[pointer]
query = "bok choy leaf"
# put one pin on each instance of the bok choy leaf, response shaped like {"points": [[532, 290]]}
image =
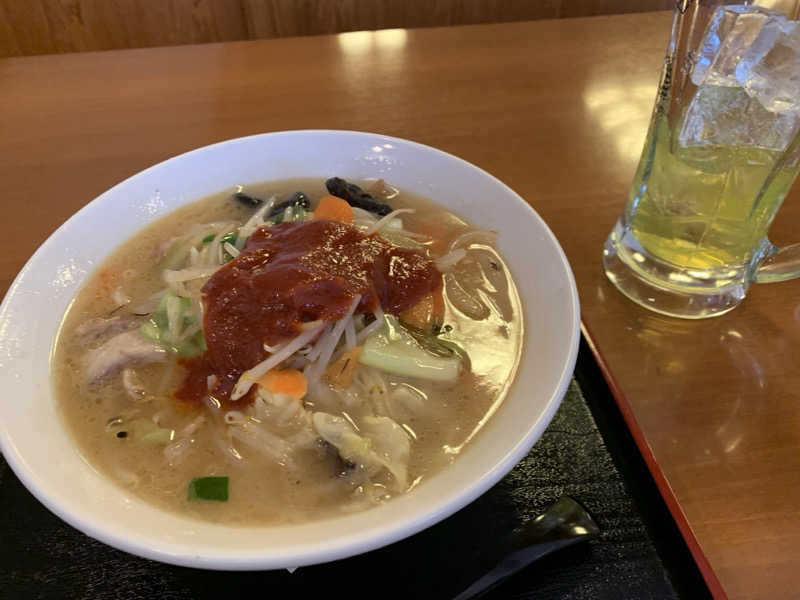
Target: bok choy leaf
{"points": [[395, 350]]}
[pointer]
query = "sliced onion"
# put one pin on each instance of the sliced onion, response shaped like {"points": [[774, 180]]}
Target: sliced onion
{"points": [[385, 220], [450, 260], [473, 236]]}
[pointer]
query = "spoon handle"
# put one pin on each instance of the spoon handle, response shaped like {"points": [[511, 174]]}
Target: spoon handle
{"points": [[564, 523], [510, 565]]}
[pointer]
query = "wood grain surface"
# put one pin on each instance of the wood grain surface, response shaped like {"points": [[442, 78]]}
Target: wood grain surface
{"points": [[49, 26], [558, 110]]}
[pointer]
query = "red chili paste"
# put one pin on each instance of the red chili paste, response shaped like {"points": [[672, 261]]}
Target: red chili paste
{"points": [[293, 273]]}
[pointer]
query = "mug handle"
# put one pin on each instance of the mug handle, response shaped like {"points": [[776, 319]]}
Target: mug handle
{"points": [[780, 264]]}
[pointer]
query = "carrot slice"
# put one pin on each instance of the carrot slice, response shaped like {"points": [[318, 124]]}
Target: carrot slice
{"points": [[285, 381], [334, 209], [426, 313], [340, 373]]}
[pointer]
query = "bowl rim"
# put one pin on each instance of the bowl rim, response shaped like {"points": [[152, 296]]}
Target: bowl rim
{"points": [[357, 544]]}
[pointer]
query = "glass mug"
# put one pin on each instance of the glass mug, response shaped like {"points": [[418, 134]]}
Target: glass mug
{"points": [[722, 151]]}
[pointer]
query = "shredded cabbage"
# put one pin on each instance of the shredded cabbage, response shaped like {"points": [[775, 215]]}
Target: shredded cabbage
{"points": [[383, 444]]}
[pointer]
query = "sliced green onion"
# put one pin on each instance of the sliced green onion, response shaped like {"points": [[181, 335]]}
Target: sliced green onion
{"points": [[209, 488], [209, 238], [229, 237]]}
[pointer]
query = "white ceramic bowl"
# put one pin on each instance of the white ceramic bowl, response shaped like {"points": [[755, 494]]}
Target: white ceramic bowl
{"points": [[40, 451]]}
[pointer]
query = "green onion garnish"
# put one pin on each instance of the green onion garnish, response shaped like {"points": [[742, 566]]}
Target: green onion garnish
{"points": [[209, 488], [229, 237], [209, 238]]}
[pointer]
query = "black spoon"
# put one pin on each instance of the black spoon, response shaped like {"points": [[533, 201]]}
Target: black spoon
{"points": [[564, 523]]}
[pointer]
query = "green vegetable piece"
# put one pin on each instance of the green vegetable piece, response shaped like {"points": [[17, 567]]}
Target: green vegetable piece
{"points": [[229, 237], [209, 238], [158, 436], [436, 345], [144, 431], [150, 329], [209, 488], [394, 350], [157, 327], [192, 346]]}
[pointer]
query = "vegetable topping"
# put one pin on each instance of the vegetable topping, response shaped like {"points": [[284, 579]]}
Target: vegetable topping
{"points": [[209, 488], [295, 273], [355, 196], [334, 209]]}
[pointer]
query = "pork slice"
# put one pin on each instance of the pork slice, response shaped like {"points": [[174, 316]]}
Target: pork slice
{"points": [[128, 349], [93, 330]]}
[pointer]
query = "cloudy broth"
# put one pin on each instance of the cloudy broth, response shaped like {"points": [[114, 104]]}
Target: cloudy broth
{"points": [[110, 418]]}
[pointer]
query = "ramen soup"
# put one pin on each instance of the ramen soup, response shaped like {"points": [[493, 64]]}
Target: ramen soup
{"points": [[289, 351]]}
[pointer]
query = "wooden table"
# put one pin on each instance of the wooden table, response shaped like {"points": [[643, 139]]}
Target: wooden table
{"points": [[558, 110]]}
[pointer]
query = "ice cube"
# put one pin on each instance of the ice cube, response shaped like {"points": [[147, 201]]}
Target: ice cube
{"points": [[751, 33], [761, 45], [728, 37], [773, 74], [728, 116]]}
